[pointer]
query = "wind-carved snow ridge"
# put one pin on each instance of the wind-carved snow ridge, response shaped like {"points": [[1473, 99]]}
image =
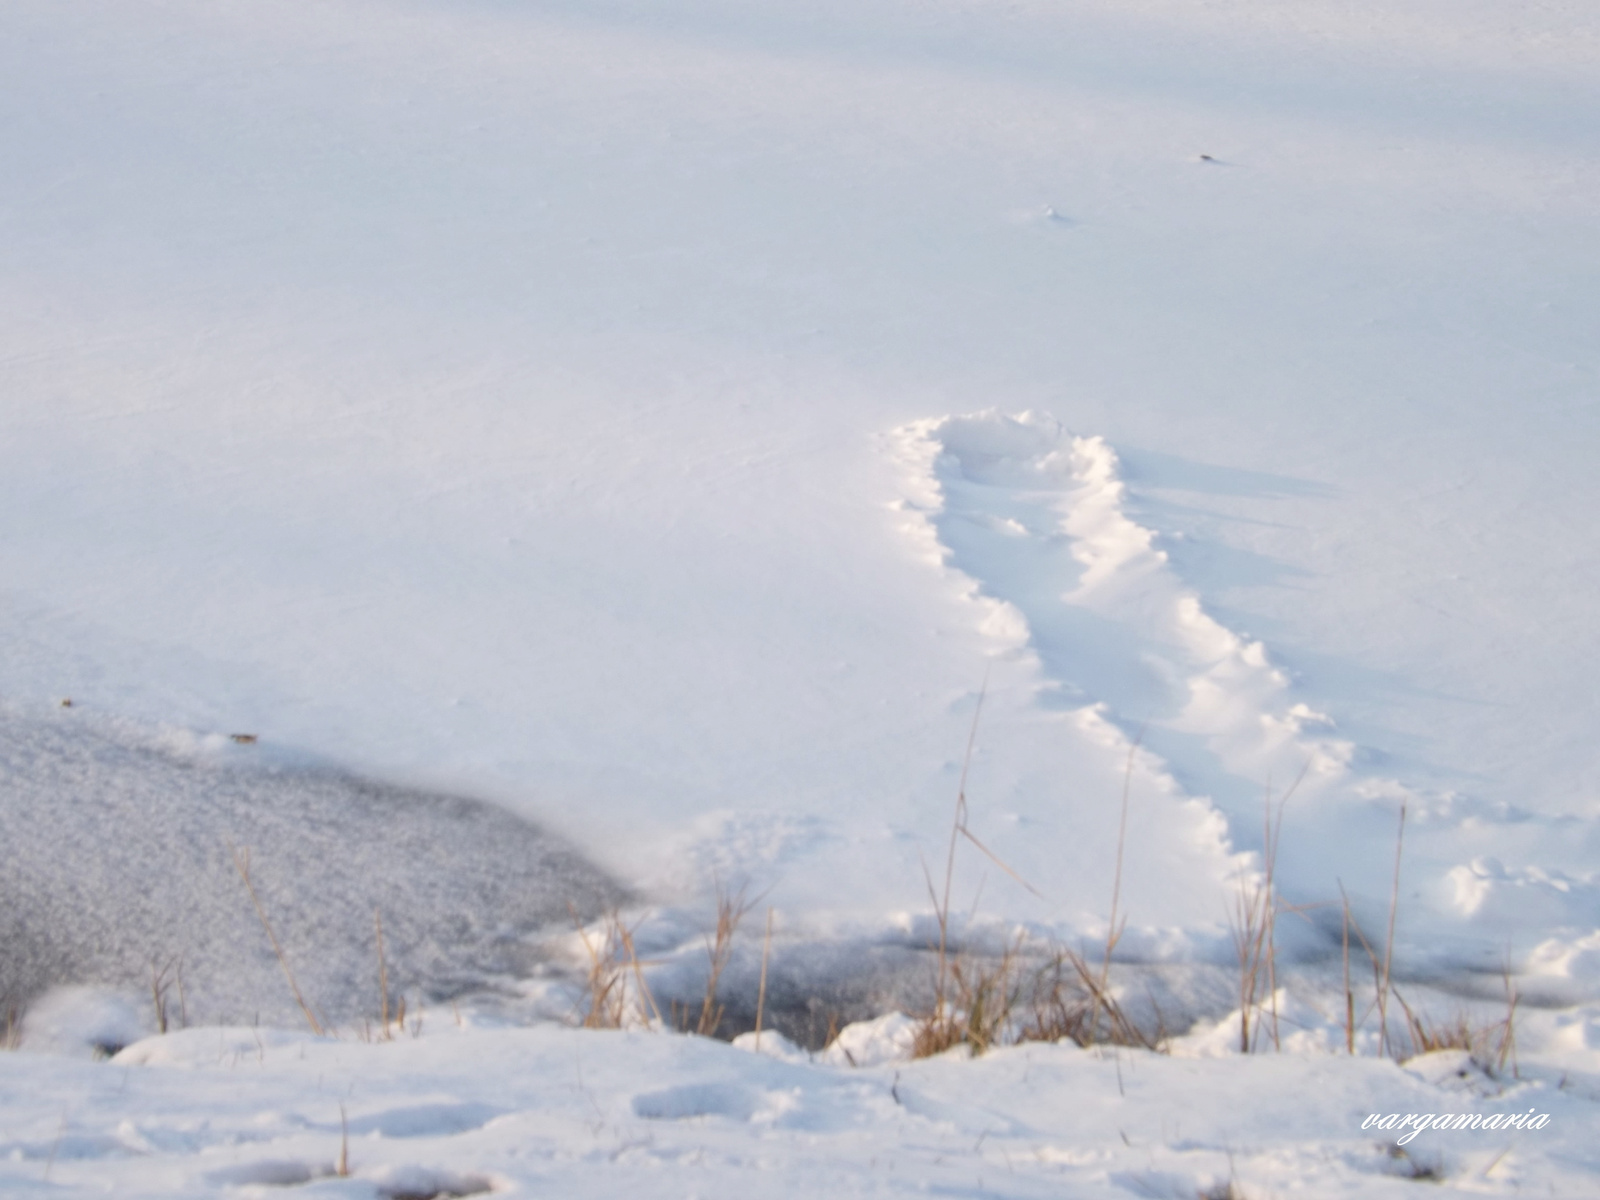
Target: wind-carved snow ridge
{"points": [[1036, 516]]}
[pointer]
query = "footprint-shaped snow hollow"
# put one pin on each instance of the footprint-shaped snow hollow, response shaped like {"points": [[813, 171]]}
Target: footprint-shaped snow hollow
{"points": [[697, 1100]]}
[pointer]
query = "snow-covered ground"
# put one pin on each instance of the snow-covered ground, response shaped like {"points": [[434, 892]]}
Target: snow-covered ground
{"points": [[601, 451], [548, 1111]]}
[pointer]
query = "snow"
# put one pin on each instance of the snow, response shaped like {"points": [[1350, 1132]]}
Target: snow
{"points": [[592, 1113], [604, 452]]}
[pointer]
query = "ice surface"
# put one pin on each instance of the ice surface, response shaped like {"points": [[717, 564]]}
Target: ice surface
{"points": [[120, 870]]}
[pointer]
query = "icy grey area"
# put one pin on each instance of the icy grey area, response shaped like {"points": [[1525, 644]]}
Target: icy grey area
{"points": [[118, 859]]}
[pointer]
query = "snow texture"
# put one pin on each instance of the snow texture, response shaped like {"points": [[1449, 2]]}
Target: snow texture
{"points": [[121, 865], [594, 454], [580, 1113]]}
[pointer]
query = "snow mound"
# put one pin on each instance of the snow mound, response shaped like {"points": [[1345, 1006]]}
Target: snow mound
{"points": [[887, 1039]]}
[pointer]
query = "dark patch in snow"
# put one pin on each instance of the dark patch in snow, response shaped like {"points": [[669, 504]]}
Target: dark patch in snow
{"points": [[696, 1100], [417, 1183], [270, 1173], [117, 862]]}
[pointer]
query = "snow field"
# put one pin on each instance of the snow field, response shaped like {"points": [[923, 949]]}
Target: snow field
{"points": [[543, 1110], [500, 401], [660, 421]]}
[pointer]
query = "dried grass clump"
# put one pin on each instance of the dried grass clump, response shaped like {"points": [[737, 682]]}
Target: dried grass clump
{"points": [[1072, 1002], [1492, 1044], [1454, 1033], [981, 1003], [1016, 998], [605, 1003], [976, 1005]]}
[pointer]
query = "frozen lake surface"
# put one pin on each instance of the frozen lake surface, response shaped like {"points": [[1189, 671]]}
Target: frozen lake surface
{"points": [[608, 451]]}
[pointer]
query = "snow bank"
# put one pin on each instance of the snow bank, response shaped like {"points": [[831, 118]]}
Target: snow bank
{"points": [[581, 1113]]}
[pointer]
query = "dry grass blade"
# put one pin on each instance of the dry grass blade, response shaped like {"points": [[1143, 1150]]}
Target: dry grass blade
{"points": [[998, 861], [1372, 958], [1388, 951], [241, 862], [1113, 927], [1349, 992], [1253, 922], [383, 974], [1490, 1044], [731, 909], [1252, 910], [761, 991], [162, 978], [1382, 968], [158, 995], [1508, 1038], [942, 903], [940, 1026], [637, 968]]}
